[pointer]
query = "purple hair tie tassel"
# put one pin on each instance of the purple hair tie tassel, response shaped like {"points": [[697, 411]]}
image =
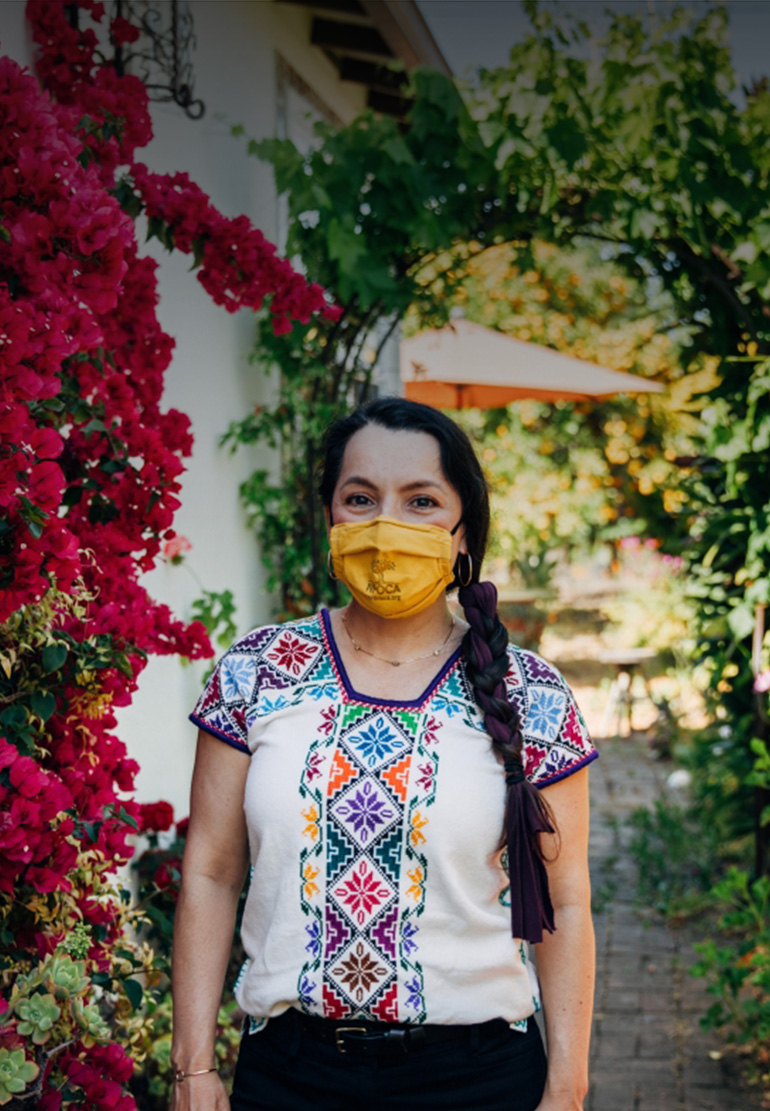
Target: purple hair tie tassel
{"points": [[525, 815], [531, 907]]}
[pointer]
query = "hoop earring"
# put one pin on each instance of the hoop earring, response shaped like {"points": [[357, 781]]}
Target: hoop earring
{"points": [[330, 567], [469, 574]]}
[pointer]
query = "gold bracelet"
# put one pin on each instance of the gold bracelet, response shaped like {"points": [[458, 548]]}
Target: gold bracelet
{"points": [[180, 1074]]}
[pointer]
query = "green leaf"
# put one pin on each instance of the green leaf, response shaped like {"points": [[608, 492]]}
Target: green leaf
{"points": [[397, 150], [13, 718], [95, 425], [129, 819], [741, 621], [72, 495], [345, 246], [135, 993], [43, 704], [54, 656], [644, 223], [199, 246], [286, 160]]}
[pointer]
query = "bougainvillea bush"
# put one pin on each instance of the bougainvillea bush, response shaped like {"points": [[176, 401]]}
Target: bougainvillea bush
{"points": [[90, 469]]}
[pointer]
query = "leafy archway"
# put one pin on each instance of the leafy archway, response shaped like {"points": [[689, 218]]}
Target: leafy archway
{"points": [[644, 151], [638, 143]]}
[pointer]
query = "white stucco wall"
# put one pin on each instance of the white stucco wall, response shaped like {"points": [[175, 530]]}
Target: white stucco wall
{"points": [[210, 378]]}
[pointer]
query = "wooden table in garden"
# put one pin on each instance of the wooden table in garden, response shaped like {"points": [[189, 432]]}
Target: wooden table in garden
{"points": [[628, 665]]}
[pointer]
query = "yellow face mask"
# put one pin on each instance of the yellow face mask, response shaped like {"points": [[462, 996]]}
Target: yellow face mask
{"points": [[391, 568]]}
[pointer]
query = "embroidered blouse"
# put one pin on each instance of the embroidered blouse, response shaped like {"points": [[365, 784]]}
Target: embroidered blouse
{"points": [[377, 887]]}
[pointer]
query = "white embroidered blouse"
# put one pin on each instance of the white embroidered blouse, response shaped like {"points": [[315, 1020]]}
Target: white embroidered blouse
{"points": [[377, 889]]}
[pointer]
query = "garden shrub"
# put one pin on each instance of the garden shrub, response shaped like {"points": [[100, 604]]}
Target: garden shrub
{"points": [[676, 856], [90, 470], [738, 973]]}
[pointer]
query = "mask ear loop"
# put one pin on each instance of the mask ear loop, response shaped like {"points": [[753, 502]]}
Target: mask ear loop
{"points": [[329, 564], [467, 580], [467, 555]]}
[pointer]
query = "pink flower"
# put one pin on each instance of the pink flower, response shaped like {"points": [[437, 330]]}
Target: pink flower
{"points": [[8, 753], [156, 817], [27, 777], [46, 443], [175, 548], [762, 682], [121, 31]]}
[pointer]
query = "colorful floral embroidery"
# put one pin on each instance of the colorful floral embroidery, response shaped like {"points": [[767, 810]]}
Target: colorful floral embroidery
{"points": [[377, 742], [365, 810], [546, 711], [360, 972], [364, 832], [292, 654], [361, 892], [370, 777], [236, 677]]}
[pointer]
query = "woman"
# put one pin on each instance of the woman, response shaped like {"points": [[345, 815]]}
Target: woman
{"points": [[381, 749]]}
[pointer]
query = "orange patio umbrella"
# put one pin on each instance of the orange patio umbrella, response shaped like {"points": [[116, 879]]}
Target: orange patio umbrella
{"points": [[465, 365]]}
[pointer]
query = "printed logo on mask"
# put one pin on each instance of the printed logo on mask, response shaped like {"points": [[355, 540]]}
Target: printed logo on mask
{"points": [[377, 586], [392, 568]]}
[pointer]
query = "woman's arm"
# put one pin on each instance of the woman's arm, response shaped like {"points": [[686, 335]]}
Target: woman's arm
{"points": [[213, 872], [566, 959]]}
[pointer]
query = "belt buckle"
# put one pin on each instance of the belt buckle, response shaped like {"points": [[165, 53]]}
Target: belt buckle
{"points": [[340, 1030]]}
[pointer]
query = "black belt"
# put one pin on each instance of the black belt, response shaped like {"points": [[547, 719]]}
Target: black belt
{"points": [[360, 1037]]}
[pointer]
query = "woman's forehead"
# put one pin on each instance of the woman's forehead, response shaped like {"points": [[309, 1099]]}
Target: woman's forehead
{"points": [[391, 454]]}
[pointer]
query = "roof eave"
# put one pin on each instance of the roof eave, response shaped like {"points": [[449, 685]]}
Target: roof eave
{"points": [[403, 26]]}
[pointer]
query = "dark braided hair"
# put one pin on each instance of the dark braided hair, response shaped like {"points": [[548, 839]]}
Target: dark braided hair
{"points": [[485, 645]]}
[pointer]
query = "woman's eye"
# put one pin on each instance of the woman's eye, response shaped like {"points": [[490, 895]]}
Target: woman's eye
{"points": [[358, 499], [424, 502]]}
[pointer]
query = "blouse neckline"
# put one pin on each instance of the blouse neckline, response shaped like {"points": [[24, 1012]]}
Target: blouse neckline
{"points": [[355, 696]]}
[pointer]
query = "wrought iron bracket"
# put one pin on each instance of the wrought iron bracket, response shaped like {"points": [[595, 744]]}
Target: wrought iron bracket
{"points": [[162, 55]]}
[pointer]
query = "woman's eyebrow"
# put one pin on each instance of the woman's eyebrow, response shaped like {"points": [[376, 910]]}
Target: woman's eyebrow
{"points": [[421, 483], [418, 484], [357, 480]]}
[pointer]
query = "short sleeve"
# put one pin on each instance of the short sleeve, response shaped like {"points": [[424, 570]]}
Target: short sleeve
{"points": [[556, 739], [223, 707]]}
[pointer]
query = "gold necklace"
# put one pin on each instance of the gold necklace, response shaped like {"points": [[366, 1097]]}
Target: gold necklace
{"points": [[395, 663]]}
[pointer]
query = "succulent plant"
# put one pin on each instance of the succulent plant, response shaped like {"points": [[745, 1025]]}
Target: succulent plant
{"points": [[38, 1013], [89, 1019], [66, 978], [15, 1073]]}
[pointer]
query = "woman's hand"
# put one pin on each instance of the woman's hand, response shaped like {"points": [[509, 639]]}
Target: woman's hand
{"points": [[560, 1100], [560, 1103], [200, 1093]]}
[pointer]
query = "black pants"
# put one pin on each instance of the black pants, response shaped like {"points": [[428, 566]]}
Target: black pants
{"points": [[483, 1068]]}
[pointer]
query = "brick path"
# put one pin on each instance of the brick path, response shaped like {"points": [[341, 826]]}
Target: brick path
{"points": [[648, 1053]]}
